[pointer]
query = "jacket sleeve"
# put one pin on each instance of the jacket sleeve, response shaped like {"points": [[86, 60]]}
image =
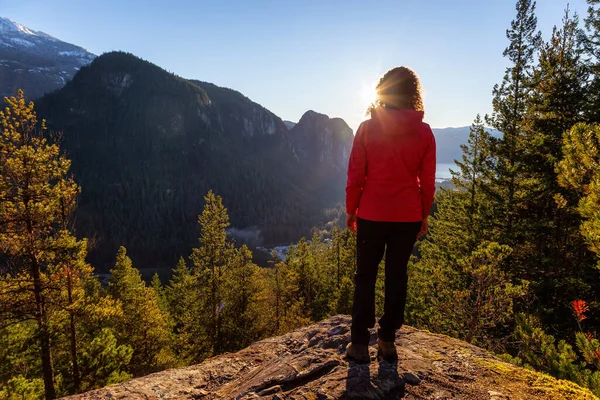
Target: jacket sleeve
{"points": [[357, 172], [427, 175]]}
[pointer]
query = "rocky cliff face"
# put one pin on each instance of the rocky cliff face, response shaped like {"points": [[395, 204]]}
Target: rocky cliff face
{"points": [[322, 146], [322, 140], [309, 364]]}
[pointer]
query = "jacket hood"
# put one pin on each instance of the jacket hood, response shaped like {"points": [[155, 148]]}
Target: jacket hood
{"points": [[397, 122]]}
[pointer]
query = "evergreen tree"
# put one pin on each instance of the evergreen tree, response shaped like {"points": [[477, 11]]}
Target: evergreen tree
{"points": [[158, 288], [579, 171], [510, 103], [343, 258], [592, 23], [20, 364], [458, 286], [143, 325], [103, 361], [473, 179], [33, 189], [551, 252], [210, 262], [457, 291], [287, 303], [245, 306], [301, 261], [183, 295], [96, 316]]}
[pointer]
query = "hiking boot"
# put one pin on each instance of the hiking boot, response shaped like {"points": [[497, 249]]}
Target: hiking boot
{"points": [[358, 353], [386, 351]]}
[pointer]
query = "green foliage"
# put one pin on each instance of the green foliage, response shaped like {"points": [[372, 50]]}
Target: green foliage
{"points": [[158, 288], [549, 243], [19, 388], [510, 104], [323, 270], [143, 325], [288, 307], [511, 232], [35, 194], [210, 262], [542, 352], [470, 297], [245, 308], [579, 171], [592, 45], [19, 354], [184, 300], [103, 361]]}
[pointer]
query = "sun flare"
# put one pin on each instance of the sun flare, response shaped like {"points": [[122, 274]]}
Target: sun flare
{"points": [[368, 95]]}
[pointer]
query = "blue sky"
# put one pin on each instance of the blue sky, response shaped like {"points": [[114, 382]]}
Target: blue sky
{"points": [[291, 56]]}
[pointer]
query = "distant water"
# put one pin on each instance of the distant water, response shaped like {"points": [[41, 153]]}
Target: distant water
{"points": [[443, 170]]}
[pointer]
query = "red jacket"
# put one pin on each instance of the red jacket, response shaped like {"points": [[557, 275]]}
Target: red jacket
{"points": [[391, 174]]}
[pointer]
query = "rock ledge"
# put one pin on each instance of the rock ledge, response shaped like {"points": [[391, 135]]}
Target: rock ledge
{"points": [[309, 364]]}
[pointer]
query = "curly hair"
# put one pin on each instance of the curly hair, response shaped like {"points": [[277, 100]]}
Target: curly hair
{"points": [[399, 88]]}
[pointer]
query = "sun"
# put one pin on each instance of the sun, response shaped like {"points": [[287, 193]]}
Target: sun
{"points": [[367, 95]]}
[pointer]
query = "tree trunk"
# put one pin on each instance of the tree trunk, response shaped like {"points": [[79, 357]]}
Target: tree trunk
{"points": [[47, 368], [73, 338]]}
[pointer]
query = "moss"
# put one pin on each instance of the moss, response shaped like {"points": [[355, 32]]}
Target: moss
{"points": [[496, 365], [429, 355], [551, 387]]}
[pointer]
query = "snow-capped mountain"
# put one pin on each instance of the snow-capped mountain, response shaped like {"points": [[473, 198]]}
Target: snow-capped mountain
{"points": [[35, 61]]}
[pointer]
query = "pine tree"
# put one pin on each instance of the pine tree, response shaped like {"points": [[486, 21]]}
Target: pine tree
{"points": [[158, 288], [33, 186], [183, 295], [510, 103], [592, 23], [69, 274], [343, 257], [210, 262], [323, 271], [20, 364], [579, 171], [299, 260], [458, 286], [550, 245], [97, 317], [103, 361], [473, 178], [287, 301], [244, 303], [143, 326]]}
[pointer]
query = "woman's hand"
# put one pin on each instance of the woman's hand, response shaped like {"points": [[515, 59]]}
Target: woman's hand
{"points": [[351, 222], [424, 228]]}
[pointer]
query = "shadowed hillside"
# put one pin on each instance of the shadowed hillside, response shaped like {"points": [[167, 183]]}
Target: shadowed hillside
{"points": [[147, 145]]}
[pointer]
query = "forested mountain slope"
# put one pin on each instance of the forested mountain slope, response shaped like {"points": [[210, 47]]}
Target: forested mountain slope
{"points": [[147, 145]]}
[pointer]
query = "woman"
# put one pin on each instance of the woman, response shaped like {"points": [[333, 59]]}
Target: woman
{"points": [[391, 183]]}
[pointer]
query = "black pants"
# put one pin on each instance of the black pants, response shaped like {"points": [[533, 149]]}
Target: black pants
{"points": [[374, 238]]}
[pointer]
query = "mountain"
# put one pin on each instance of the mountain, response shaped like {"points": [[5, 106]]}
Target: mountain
{"points": [[309, 364], [448, 141], [34, 61], [146, 146], [323, 145]]}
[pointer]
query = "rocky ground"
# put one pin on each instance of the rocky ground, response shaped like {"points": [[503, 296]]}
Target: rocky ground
{"points": [[309, 364]]}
